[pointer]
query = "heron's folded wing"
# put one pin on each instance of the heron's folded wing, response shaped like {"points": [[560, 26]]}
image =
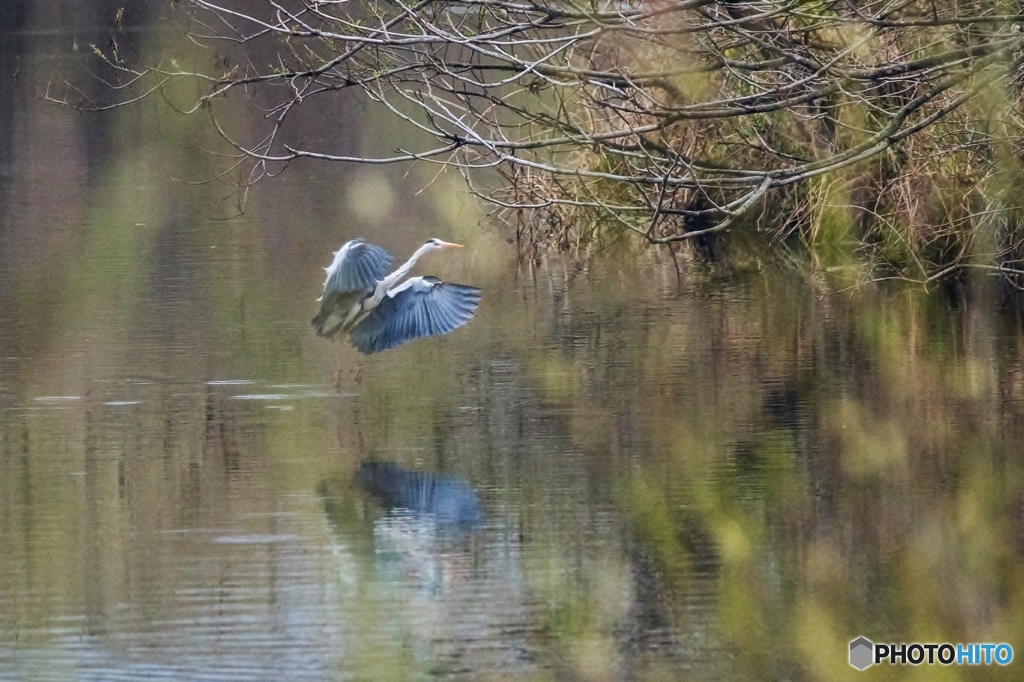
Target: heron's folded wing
{"points": [[351, 277], [423, 306], [334, 311], [357, 266]]}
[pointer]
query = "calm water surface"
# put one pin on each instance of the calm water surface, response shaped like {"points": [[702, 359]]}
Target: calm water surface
{"points": [[620, 472]]}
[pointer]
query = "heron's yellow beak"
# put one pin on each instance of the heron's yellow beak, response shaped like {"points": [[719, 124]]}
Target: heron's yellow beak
{"points": [[450, 245]]}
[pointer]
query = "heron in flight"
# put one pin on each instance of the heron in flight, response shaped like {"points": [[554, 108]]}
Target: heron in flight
{"points": [[377, 312]]}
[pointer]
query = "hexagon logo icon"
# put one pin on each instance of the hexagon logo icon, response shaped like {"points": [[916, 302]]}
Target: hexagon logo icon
{"points": [[861, 653]]}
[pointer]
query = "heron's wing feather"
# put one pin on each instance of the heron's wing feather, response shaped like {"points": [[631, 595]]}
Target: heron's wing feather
{"points": [[357, 266], [422, 306], [351, 277]]}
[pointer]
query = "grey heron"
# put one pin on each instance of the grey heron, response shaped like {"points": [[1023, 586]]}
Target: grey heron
{"points": [[361, 299]]}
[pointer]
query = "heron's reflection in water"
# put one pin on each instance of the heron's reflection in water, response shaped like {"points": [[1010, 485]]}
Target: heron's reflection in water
{"points": [[414, 552], [446, 500], [424, 531]]}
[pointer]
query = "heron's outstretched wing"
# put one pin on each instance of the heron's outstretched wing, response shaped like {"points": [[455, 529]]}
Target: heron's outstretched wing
{"points": [[351, 277], [422, 306], [357, 266]]}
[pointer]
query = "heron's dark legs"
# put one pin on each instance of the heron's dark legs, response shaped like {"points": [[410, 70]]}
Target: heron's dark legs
{"points": [[338, 378]]}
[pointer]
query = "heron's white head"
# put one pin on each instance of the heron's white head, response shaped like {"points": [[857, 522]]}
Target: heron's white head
{"points": [[435, 243]]}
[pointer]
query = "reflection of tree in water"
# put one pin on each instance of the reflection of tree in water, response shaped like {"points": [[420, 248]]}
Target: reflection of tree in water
{"points": [[844, 459], [12, 22]]}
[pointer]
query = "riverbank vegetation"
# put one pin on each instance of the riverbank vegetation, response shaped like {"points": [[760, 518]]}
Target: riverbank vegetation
{"points": [[880, 139]]}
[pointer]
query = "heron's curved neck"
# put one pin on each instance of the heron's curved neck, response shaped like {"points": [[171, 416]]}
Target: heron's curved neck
{"points": [[393, 279]]}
